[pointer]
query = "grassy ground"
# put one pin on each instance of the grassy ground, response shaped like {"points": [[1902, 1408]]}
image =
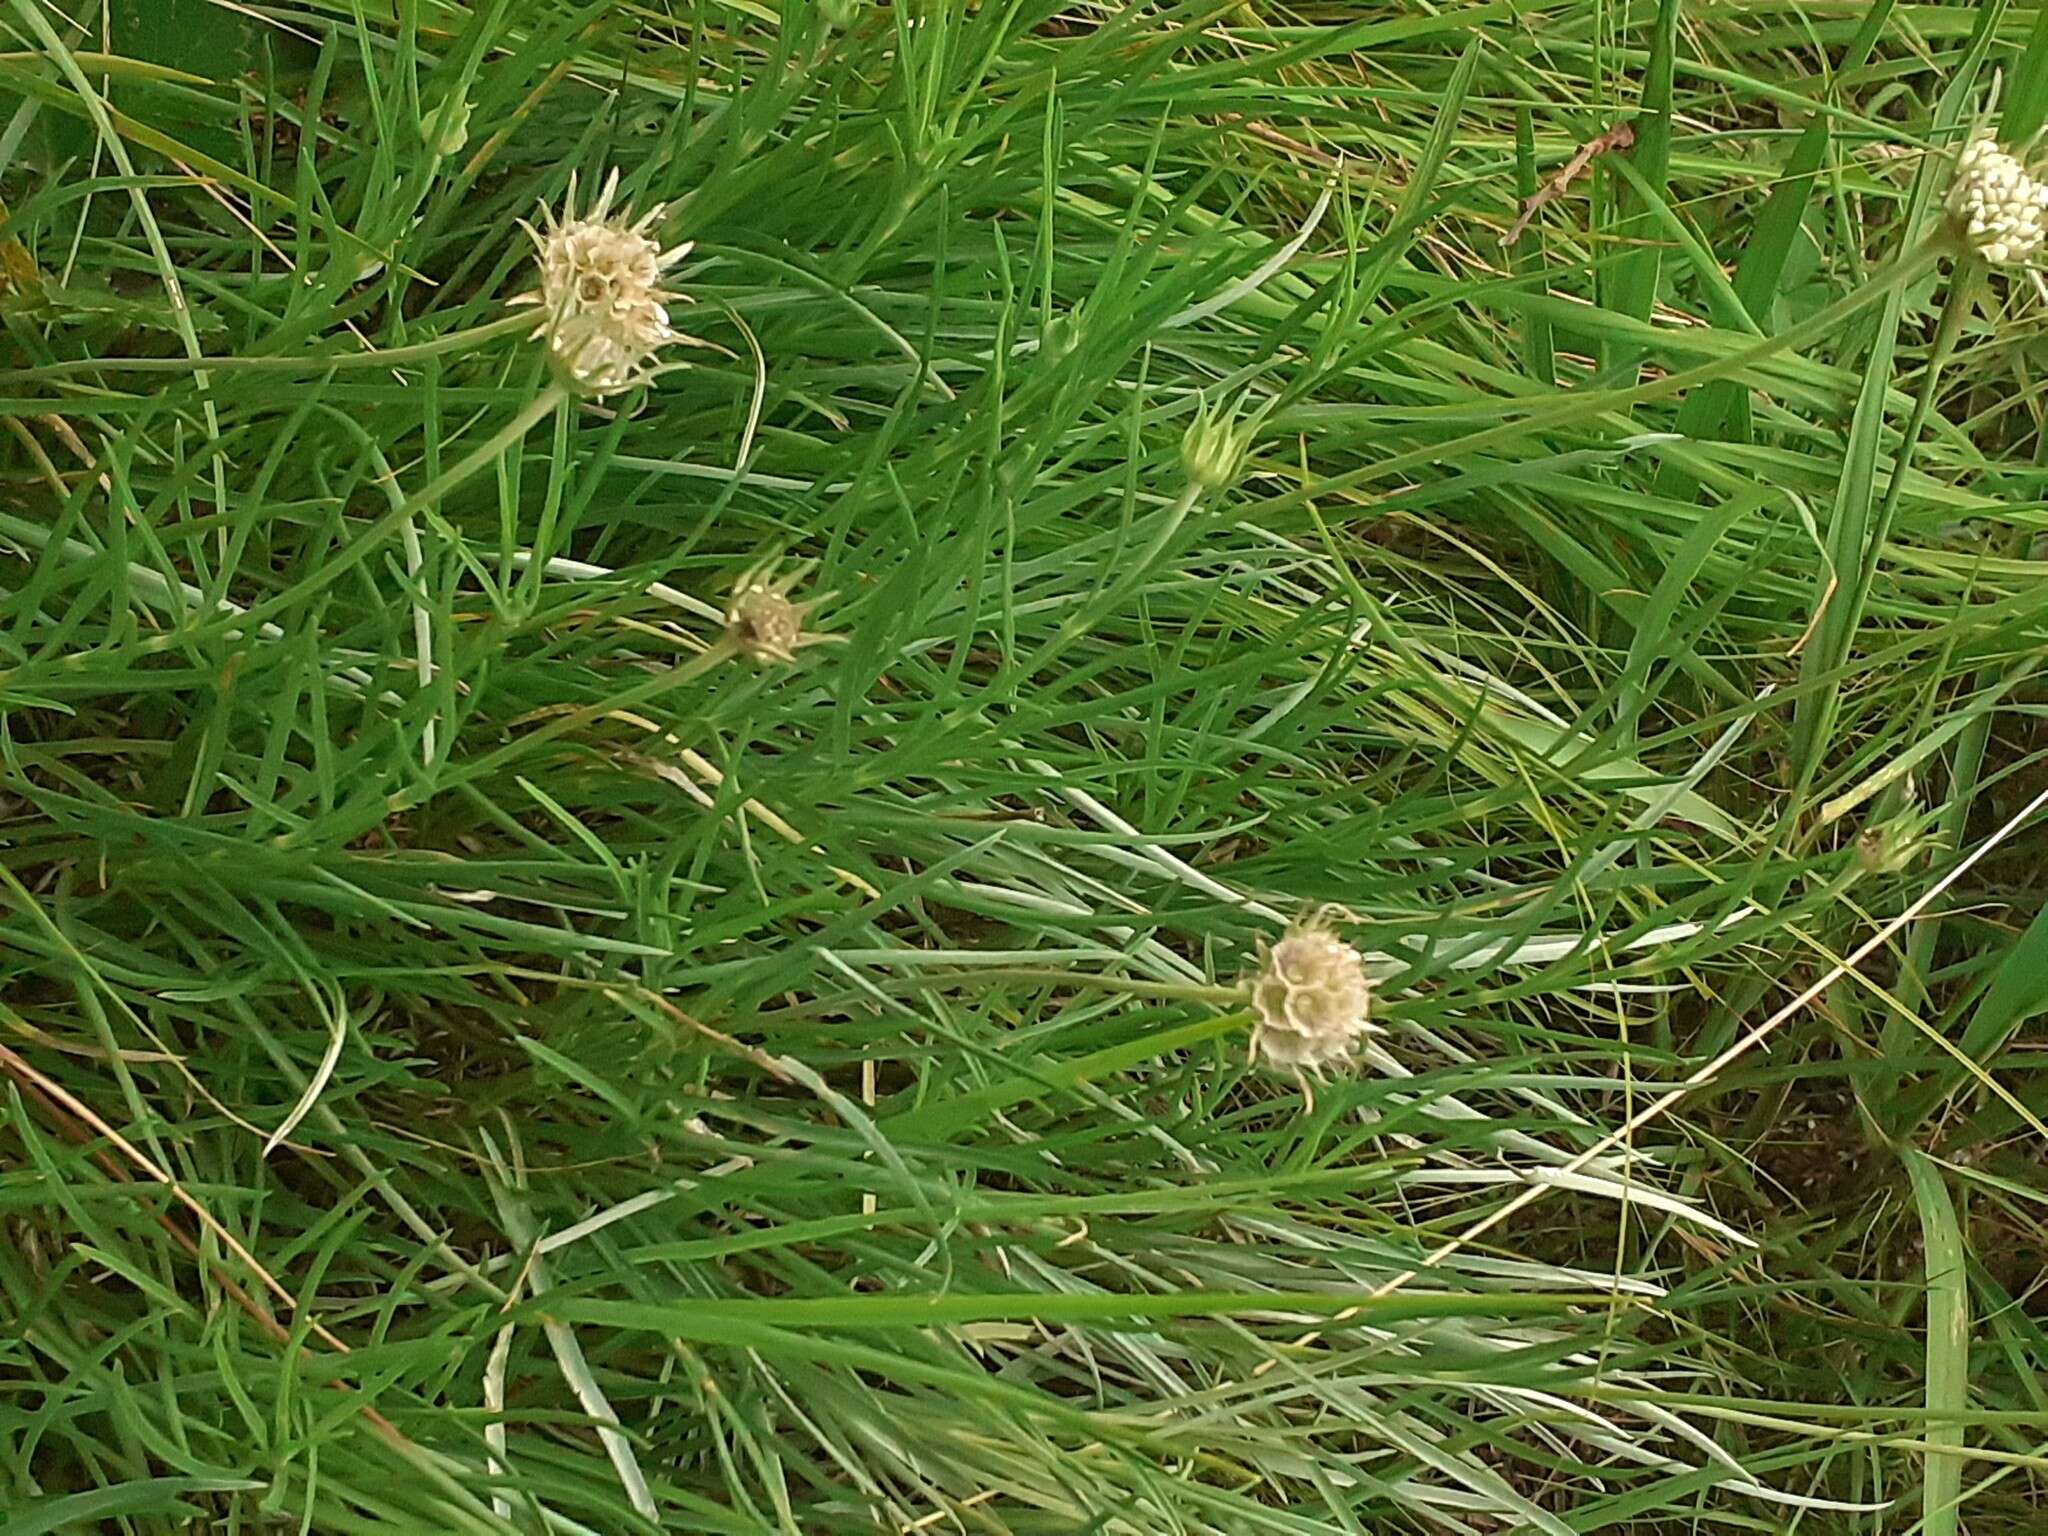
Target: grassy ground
{"points": [[479, 1057]]}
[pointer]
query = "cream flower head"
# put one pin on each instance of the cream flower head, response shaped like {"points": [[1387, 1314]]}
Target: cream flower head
{"points": [[2000, 210], [603, 311], [1310, 996]]}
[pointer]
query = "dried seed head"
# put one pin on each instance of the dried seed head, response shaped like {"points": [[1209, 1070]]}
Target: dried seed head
{"points": [[2000, 211], [603, 311], [1310, 996], [767, 625], [762, 621]]}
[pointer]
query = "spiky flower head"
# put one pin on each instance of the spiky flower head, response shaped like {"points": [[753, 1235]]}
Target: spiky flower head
{"points": [[1310, 997], [603, 311], [1999, 209], [762, 621]]}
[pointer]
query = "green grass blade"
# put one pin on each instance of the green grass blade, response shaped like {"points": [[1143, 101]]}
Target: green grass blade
{"points": [[1948, 1346], [1635, 285], [1722, 411], [1539, 359], [2025, 104]]}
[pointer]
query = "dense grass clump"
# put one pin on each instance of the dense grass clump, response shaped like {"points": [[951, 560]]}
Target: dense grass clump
{"points": [[664, 909]]}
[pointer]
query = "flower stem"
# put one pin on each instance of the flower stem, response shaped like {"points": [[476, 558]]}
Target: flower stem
{"points": [[716, 654], [1130, 986], [365, 543], [1900, 1023]]}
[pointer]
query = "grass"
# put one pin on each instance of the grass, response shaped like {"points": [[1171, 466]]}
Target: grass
{"points": [[481, 1057]]}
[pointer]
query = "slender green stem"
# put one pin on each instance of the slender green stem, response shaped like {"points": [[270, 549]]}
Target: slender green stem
{"points": [[302, 365], [1128, 986]]}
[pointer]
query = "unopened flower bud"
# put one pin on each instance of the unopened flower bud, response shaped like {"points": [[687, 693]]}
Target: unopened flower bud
{"points": [[1213, 448], [445, 130], [1061, 336], [1892, 846]]}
